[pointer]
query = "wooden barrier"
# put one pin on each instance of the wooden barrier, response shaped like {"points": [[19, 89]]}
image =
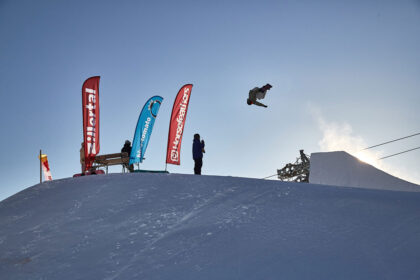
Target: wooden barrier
{"points": [[111, 159]]}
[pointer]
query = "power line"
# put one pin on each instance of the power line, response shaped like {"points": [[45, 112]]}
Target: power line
{"points": [[390, 141], [270, 176], [400, 153], [377, 146]]}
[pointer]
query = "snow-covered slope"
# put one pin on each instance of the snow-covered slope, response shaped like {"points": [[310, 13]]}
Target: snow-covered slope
{"points": [[343, 169], [169, 226]]}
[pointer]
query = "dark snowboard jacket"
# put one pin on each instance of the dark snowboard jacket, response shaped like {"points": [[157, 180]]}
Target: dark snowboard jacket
{"points": [[126, 149], [198, 149]]}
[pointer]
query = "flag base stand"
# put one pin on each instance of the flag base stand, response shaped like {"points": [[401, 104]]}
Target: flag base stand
{"points": [[88, 173], [150, 171]]}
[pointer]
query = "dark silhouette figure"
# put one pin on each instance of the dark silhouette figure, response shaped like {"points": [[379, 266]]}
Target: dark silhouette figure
{"points": [[82, 158], [127, 149], [197, 151]]}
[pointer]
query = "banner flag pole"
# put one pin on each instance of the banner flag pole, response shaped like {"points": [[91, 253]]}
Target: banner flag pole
{"points": [[40, 166], [144, 128], [176, 125], [90, 110]]}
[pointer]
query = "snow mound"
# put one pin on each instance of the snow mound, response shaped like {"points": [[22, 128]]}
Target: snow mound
{"points": [[343, 169], [170, 226]]}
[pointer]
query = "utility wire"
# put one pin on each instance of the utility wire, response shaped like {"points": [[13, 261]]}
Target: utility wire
{"points": [[400, 153], [378, 146], [270, 176], [390, 141]]}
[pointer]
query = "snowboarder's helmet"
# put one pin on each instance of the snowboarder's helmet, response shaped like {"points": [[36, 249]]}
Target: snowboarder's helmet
{"points": [[248, 101], [266, 87], [127, 142]]}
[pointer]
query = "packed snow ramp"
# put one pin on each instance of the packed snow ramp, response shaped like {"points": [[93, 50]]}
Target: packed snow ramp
{"points": [[343, 169], [168, 226]]}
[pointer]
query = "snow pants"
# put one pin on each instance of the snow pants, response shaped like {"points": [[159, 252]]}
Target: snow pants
{"points": [[198, 163]]}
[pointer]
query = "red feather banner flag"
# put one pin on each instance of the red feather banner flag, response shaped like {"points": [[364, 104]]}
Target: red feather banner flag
{"points": [[90, 107], [176, 126]]}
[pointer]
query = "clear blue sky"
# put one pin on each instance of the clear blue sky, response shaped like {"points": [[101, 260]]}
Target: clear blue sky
{"points": [[344, 70]]}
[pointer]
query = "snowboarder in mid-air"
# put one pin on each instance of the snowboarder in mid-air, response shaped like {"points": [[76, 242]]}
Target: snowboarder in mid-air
{"points": [[258, 93]]}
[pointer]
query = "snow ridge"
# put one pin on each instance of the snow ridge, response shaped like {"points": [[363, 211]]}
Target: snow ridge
{"points": [[172, 226]]}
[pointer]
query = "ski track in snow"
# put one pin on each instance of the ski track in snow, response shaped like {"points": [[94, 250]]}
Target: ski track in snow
{"points": [[181, 220]]}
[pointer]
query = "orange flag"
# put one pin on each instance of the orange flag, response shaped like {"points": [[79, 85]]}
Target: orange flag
{"points": [[46, 168]]}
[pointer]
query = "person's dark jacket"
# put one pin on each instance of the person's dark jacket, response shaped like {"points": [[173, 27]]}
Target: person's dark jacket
{"points": [[198, 148], [126, 149]]}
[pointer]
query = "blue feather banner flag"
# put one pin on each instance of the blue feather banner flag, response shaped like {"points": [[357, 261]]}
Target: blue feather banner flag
{"points": [[144, 128]]}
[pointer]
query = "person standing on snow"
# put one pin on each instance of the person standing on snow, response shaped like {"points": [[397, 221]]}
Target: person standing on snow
{"points": [[82, 157], [197, 151], [258, 93]]}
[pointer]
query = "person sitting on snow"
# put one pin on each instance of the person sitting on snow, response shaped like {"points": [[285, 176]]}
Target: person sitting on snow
{"points": [[127, 149], [258, 93]]}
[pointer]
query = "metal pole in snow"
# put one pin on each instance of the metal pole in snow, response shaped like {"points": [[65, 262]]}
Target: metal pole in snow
{"points": [[40, 166]]}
